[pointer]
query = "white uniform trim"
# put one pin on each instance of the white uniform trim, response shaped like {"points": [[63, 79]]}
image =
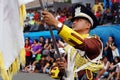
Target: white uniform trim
{"points": [[71, 64], [84, 15], [96, 60]]}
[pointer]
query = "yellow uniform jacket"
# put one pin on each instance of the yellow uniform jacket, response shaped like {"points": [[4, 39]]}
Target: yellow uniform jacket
{"points": [[89, 48]]}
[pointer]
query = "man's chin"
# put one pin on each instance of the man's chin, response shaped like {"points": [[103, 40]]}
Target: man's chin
{"points": [[74, 29]]}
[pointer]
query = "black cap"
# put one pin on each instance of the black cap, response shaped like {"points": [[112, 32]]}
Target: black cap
{"points": [[80, 11]]}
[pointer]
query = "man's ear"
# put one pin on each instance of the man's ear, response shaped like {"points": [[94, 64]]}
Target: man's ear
{"points": [[88, 25]]}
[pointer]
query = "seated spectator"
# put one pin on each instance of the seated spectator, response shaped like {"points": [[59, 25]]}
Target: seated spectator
{"points": [[28, 68], [46, 47], [41, 41], [43, 65], [30, 14], [118, 71], [54, 71], [32, 22], [47, 67], [103, 72], [47, 44], [114, 69], [52, 48]]}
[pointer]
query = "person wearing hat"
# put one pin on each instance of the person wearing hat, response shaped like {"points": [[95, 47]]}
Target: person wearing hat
{"points": [[83, 51]]}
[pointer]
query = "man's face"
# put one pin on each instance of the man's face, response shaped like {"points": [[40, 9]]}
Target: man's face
{"points": [[80, 24]]}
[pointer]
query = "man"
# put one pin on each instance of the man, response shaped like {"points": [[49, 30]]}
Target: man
{"points": [[83, 50]]}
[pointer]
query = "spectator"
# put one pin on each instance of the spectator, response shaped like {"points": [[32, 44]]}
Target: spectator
{"points": [[62, 18], [104, 71], [31, 42], [47, 67], [115, 11], [47, 44], [41, 41], [107, 16], [68, 21], [35, 49], [36, 16], [98, 13], [88, 5], [32, 22], [30, 14], [43, 65], [28, 51], [110, 45], [114, 67], [96, 5], [118, 71], [27, 25], [52, 49], [57, 16]]}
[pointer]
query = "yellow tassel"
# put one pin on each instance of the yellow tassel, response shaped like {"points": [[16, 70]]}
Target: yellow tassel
{"points": [[22, 14], [3, 71], [14, 68]]}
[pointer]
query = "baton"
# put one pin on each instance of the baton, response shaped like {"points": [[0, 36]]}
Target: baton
{"points": [[51, 32], [54, 41]]}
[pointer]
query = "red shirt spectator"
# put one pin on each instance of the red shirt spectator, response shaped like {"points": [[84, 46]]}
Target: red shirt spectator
{"points": [[27, 47], [27, 51], [36, 16], [62, 17]]}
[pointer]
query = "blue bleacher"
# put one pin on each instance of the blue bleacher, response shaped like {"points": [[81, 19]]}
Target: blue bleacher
{"points": [[103, 31]]}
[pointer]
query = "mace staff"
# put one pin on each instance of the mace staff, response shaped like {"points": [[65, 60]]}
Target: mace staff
{"points": [[51, 32]]}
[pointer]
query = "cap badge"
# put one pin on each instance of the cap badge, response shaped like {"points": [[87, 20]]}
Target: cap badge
{"points": [[77, 10]]}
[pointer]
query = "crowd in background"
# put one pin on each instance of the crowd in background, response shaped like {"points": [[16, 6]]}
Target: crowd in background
{"points": [[105, 14], [41, 54], [41, 57]]}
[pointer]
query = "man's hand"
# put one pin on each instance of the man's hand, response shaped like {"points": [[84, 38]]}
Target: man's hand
{"points": [[49, 19]]}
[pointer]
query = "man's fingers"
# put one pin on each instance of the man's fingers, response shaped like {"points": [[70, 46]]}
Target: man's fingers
{"points": [[45, 13]]}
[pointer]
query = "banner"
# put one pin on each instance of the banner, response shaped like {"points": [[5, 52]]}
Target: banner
{"points": [[11, 37]]}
